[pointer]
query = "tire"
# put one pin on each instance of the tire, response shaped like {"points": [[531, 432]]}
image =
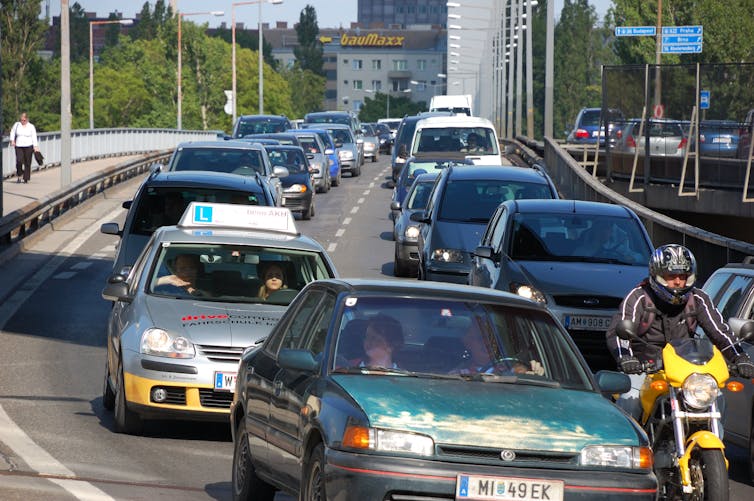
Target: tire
{"points": [[356, 171], [244, 480], [108, 395], [308, 213], [336, 181], [126, 421], [399, 268], [709, 476], [314, 476], [374, 159]]}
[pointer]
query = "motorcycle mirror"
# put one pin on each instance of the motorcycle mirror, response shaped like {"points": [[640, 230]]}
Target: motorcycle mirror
{"points": [[626, 330], [743, 328]]}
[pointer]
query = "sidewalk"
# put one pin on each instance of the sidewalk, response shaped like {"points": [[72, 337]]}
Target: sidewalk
{"points": [[45, 182]]}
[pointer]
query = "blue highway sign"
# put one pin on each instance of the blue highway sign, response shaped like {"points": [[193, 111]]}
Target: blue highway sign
{"points": [[682, 30], [635, 31], [682, 49], [681, 39], [704, 99]]}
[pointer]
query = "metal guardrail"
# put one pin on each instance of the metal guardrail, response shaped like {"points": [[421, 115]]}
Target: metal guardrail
{"points": [[23, 222]]}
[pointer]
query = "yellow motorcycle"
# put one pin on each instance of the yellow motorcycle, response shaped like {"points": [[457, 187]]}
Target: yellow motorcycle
{"points": [[680, 414]]}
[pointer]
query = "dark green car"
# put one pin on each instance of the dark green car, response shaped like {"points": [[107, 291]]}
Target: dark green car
{"points": [[370, 389]]}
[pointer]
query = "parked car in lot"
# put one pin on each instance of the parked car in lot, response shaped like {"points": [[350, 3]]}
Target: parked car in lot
{"points": [[586, 129], [259, 124], [162, 198], [461, 204], [731, 289], [317, 415], [718, 138], [578, 258], [405, 231], [666, 138], [299, 186], [371, 142], [199, 294]]}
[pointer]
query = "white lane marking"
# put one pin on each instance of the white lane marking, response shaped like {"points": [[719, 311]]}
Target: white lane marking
{"points": [[331, 247], [355, 210], [109, 248], [100, 255], [366, 192], [360, 201], [347, 221], [64, 275], [82, 265], [11, 434], [371, 185], [339, 233]]}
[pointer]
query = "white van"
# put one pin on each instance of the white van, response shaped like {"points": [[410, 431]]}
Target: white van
{"points": [[457, 136], [460, 104]]}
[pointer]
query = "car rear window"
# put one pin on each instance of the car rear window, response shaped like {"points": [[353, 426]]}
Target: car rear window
{"points": [[248, 126]]}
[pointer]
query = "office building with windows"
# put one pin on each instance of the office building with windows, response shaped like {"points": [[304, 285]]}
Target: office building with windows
{"points": [[402, 13]]}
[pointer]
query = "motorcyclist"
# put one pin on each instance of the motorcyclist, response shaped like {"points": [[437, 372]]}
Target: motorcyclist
{"points": [[667, 306]]}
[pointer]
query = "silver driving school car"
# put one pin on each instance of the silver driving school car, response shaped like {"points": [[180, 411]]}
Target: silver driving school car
{"points": [[198, 295]]}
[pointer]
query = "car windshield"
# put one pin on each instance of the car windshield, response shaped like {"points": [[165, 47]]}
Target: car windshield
{"points": [[160, 206], [329, 119], [475, 200], [342, 136], [248, 126], [576, 237], [419, 196], [454, 338], [465, 139], [233, 273], [291, 158], [233, 161], [309, 144]]}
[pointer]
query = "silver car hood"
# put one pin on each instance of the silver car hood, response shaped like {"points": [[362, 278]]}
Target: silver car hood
{"points": [[559, 277], [204, 322]]}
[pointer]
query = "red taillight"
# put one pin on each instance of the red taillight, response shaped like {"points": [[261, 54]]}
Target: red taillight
{"points": [[581, 134], [630, 142], [682, 144]]}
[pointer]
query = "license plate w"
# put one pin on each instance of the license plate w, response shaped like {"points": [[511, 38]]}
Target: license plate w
{"points": [[482, 488], [225, 381]]}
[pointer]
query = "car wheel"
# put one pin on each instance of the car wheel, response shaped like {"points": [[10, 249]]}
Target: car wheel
{"points": [[356, 171], [126, 420], [246, 484], [108, 395], [314, 476], [308, 212], [375, 158], [329, 182], [399, 268], [336, 181]]}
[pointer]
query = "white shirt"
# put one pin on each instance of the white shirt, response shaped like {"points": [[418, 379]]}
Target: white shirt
{"points": [[24, 135]]}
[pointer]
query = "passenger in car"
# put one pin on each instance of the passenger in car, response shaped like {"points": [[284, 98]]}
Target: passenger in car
{"points": [[273, 279], [483, 357], [383, 337], [186, 270]]}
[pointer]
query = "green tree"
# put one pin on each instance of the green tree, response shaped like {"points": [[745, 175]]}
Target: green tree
{"points": [[79, 32], [249, 39], [22, 36], [310, 90], [374, 109], [309, 53]]}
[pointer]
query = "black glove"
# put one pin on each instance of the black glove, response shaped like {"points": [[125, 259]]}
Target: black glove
{"points": [[631, 365], [744, 366]]}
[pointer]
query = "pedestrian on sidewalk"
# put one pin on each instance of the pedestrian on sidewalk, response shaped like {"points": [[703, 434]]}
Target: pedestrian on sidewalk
{"points": [[23, 137]]}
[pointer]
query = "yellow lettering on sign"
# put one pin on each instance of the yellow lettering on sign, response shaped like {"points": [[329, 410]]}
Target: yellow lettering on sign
{"points": [[370, 40]]}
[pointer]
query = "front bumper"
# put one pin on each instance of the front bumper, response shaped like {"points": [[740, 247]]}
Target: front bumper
{"points": [[455, 273], [407, 252], [297, 201], [369, 477]]}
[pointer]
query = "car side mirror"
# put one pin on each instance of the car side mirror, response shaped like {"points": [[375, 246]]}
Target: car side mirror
{"points": [[612, 382], [117, 292], [227, 137], [312, 170], [280, 171], [298, 360], [420, 217], [310, 156], [403, 151], [111, 229], [329, 151], [156, 167], [127, 204], [395, 205], [743, 328], [484, 251]]}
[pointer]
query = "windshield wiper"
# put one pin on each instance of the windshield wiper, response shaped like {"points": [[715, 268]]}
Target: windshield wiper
{"points": [[515, 379]]}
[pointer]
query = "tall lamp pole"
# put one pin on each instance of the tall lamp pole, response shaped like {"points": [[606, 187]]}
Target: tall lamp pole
{"points": [[123, 22], [233, 51], [180, 60]]}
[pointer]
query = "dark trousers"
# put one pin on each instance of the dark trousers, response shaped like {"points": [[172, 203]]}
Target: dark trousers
{"points": [[24, 155]]}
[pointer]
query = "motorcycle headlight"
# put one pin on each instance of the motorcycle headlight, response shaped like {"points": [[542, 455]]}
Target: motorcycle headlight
{"points": [[377, 439], [528, 292], [447, 255], [616, 456], [345, 154], [160, 343], [295, 188], [700, 390], [412, 233]]}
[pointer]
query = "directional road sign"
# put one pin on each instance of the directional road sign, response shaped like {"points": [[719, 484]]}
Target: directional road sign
{"points": [[635, 31], [682, 30], [704, 99], [682, 39], [682, 49]]}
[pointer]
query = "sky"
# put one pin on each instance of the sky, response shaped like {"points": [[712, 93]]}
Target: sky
{"points": [[330, 13]]}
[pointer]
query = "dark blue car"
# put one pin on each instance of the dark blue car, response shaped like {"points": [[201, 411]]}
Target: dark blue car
{"points": [[718, 138], [298, 186], [586, 129]]}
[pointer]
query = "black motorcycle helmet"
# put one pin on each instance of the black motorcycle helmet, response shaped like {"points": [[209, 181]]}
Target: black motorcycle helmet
{"points": [[672, 258]]}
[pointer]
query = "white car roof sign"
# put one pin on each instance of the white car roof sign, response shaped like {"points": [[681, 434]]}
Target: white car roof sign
{"points": [[244, 217]]}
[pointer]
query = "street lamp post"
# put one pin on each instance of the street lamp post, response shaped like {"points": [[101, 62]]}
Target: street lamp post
{"points": [[180, 60], [387, 100], [124, 22], [233, 52]]}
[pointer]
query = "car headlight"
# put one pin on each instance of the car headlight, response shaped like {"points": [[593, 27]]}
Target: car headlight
{"points": [[316, 165], [700, 390], [345, 154], [617, 456], [378, 439], [528, 292], [160, 343], [411, 233], [447, 255], [296, 188]]}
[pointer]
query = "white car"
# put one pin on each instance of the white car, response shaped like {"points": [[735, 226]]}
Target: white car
{"points": [[457, 136]]}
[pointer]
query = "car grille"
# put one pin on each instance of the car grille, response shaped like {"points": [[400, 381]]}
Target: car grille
{"points": [[224, 354], [294, 203], [449, 452], [589, 301], [215, 399], [176, 396]]}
